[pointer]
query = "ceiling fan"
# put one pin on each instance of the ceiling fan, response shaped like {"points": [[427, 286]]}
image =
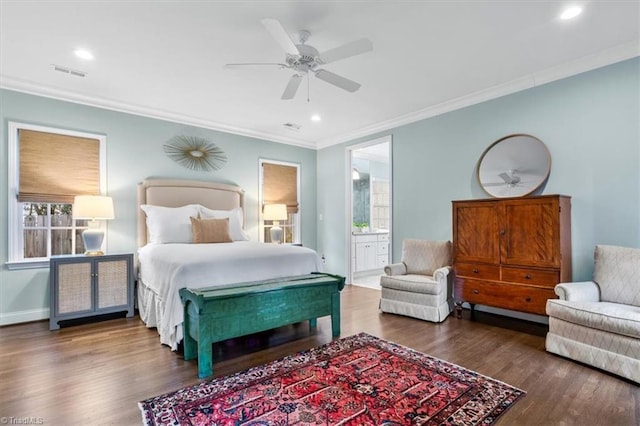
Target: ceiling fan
{"points": [[509, 178], [304, 59]]}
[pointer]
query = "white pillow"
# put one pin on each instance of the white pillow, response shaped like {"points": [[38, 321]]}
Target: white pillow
{"points": [[170, 224], [236, 219]]}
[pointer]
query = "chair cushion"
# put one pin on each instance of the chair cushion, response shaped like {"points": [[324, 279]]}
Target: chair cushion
{"points": [[424, 257], [606, 316], [617, 272], [412, 283]]}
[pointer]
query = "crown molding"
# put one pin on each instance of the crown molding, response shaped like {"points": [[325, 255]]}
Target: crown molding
{"points": [[607, 57], [587, 63], [32, 88]]}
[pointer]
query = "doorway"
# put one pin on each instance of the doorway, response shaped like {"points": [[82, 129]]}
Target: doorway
{"points": [[370, 211]]}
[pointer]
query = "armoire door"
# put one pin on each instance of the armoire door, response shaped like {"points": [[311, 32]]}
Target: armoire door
{"points": [[531, 232], [476, 232]]}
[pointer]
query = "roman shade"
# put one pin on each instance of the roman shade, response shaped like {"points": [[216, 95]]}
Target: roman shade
{"points": [[280, 185], [54, 167]]}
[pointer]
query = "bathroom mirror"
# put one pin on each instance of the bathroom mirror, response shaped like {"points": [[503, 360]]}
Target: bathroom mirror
{"points": [[514, 166]]}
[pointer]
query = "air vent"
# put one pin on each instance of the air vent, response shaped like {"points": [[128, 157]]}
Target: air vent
{"points": [[292, 126], [69, 71]]}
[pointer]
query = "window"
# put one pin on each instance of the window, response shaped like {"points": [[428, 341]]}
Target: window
{"points": [[47, 168], [280, 184]]}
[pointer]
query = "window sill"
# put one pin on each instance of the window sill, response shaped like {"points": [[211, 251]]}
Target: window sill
{"points": [[27, 264]]}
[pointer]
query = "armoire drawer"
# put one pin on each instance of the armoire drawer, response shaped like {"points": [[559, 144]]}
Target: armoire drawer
{"points": [[517, 297], [477, 270], [539, 277]]}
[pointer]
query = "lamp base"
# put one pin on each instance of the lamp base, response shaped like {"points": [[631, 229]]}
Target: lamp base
{"points": [[276, 234], [92, 239]]}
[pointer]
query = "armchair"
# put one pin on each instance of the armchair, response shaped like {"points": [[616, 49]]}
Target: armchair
{"points": [[598, 322], [421, 285]]}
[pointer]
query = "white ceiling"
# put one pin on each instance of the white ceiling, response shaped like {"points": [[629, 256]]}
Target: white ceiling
{"points": [[165, 59]]}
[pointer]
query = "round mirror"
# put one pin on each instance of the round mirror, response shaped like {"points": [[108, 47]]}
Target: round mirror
{"points": [[514, 166]]}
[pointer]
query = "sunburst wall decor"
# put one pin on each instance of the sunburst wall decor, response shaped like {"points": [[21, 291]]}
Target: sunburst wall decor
{"points": [[195, 153]]}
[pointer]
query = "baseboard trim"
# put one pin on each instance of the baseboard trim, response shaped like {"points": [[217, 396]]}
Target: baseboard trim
{"points": [[24, 316]]}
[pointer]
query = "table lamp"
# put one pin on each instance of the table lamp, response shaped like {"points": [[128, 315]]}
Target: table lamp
{"points": [[276, 213], [93, 208]]}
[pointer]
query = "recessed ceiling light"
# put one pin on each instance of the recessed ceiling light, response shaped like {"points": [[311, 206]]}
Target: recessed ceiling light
{"points": [[316, 117], [84, 54], [571, 12]]}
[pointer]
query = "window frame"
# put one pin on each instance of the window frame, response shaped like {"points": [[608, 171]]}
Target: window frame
{"points": [[296, 225], [15, 226]]}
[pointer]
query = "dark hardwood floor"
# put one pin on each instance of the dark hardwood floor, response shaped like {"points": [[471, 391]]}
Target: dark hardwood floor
{"points": [[96, 373]]}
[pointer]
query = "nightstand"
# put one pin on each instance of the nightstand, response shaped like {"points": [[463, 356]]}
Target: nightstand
{"points": [[86, 286]]}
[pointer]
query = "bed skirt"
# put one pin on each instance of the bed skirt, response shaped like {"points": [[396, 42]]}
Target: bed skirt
{"points": [[150, 310]]}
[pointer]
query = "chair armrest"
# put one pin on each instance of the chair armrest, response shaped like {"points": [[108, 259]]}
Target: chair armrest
{"points": [[396, 269], [440, 274], [585, 291]]}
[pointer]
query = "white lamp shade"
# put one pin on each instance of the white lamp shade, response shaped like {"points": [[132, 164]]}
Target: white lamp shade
{"points": [[275, 212], [93, 207]]}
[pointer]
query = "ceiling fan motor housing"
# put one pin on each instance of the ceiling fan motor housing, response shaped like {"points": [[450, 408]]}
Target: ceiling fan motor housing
{"points": [[306, 60]]}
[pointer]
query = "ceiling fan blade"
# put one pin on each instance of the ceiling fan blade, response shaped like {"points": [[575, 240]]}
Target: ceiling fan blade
{"points": [[254, 64], [338, 81], [280, 35], [346, 50], [505, 177], [292, 87]]}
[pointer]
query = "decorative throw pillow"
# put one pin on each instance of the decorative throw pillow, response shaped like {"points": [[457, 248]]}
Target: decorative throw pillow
{"points": [[236, 219], [169, 224], [210, 230]]}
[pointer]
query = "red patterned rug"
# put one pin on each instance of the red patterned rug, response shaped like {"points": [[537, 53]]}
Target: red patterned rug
{"points": [[358, 380]]}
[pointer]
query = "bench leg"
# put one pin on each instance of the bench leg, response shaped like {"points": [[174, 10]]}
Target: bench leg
{"points": [[205, 358], [190, 346], [335, 314], [313, 322], [189, 343]]}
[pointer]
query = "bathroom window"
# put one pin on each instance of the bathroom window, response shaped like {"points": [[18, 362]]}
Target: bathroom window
{"points": [[380, 203]]}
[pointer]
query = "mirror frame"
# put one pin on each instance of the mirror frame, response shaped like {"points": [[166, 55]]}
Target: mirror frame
{"points": [[539, 178]]}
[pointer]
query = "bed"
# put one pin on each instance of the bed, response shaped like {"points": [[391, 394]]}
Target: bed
{"points": [[168, 260]]}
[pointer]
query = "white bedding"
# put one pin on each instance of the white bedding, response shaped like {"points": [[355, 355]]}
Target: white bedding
{"points": [[166, 268]]}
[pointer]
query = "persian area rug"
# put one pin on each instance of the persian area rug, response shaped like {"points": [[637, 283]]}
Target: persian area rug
{"points": [[358, 380]]}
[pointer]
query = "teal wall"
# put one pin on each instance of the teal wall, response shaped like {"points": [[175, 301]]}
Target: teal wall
{"points": [[134, 152], [589, 122]]}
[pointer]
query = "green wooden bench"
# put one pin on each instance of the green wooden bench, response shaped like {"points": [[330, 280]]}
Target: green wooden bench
{"points": [[218, 313]]}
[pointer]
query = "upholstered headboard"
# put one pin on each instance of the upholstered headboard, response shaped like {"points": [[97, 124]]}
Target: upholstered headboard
{"points": [[177, 192]]}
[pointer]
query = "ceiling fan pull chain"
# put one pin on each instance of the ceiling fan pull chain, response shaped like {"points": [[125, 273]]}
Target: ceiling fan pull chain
{"points": [[308, 88]]}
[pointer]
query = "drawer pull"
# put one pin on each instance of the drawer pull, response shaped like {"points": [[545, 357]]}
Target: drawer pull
{"points": [[527, 299], [528, 276], [475, 270], [476, 291]]}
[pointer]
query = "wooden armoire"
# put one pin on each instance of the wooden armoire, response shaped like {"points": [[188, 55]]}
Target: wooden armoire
{"points": [[511, 252]]}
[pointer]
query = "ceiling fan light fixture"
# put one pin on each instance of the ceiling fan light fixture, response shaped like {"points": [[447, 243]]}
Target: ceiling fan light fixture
{"points": [[316, 118]]}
